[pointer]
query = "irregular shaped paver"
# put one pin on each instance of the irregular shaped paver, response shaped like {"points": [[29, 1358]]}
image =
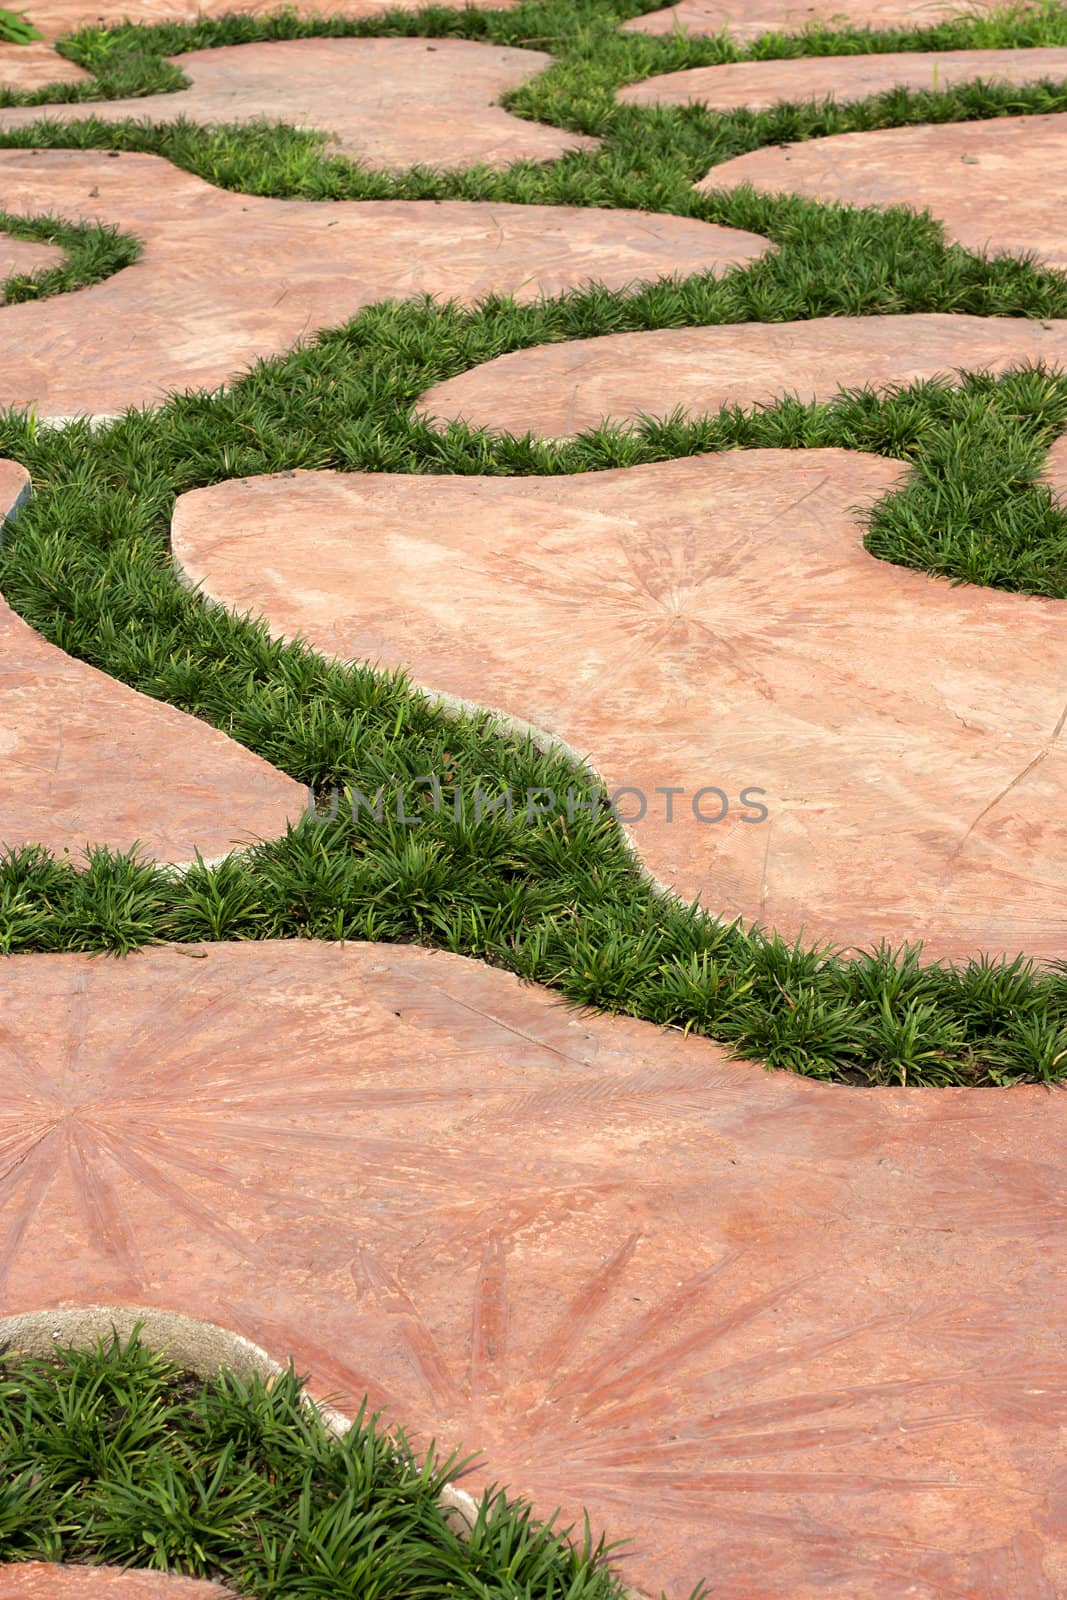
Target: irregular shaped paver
{"points": [[748, 19], [800, 1340], [390, 103], [35, 66], [194, 311], [756, 85], [19, 256], [37, 1580], [562, 389], [712, 624], [85, 760], [995, 186]]}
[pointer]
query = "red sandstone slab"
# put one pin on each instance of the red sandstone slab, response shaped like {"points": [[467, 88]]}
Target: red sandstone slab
{"points": [[38, 1580], [54, 18], [805, 1342], [35, 66], [85, 760], [996, 186], [557, 390], [19, 256], [388, 103], [748, 19], [706, 623], [757, 85], [195, 312]]}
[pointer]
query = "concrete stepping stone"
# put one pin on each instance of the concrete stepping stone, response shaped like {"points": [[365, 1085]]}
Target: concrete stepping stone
{"points": [[744, 20], [789, 1337], [19, 256], [35, 66], [194, 312], [38, 1580], [388, 103], [758, 85], [712, 624], [86, 760], [997, 186], [558, 390]]}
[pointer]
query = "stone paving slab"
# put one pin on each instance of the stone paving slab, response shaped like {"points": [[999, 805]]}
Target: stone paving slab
{"points": [[35, 66], [558, 390], [997, 186], [18, 256], [716, 625], [799, 1340], [194, 312], [38, 1580], [388, 103], [744, 20], [86, 760], [758, 85]]}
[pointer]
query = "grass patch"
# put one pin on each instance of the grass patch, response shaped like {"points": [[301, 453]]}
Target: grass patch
{"points": [[87, 563], [113, 1455], [93, 252]]}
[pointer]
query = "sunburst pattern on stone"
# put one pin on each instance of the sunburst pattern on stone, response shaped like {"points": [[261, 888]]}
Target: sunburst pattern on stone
{"points": [[195, 312], [791, 1338], [976, 178], [711, 625], [388, 103]]}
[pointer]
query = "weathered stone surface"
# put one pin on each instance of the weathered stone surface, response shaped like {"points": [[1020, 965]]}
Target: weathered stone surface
{"points": [[557, 390], [195, 312], [37, 1580], [756, 85], [388, 103], [35, 66], [706, 623], [18, 256], [798, 1340], [748, 19], [85, 760], [996, 186]]}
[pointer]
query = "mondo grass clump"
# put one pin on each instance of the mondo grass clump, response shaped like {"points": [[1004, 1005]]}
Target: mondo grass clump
{"points": [[114, 1455]]}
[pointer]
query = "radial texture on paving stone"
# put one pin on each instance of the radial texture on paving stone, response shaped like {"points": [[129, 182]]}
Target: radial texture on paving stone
{"points": [[18, 256], [196, 312], [756, 85], [790, 1338], [85, 760], [999, 186], [712, 624], [37, 1580], [748, 19], [557, 390], [388, 103]]}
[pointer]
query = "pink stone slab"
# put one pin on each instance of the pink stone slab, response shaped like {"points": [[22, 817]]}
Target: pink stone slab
{"points": [[38, 1580], [389, 103], [803, 1341], [85, 760], [706, 622], [747, 19], [557, 390], [35, 66], [54, 18], [196, 312], [22, 256], [756, 85], [996, 186]]}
